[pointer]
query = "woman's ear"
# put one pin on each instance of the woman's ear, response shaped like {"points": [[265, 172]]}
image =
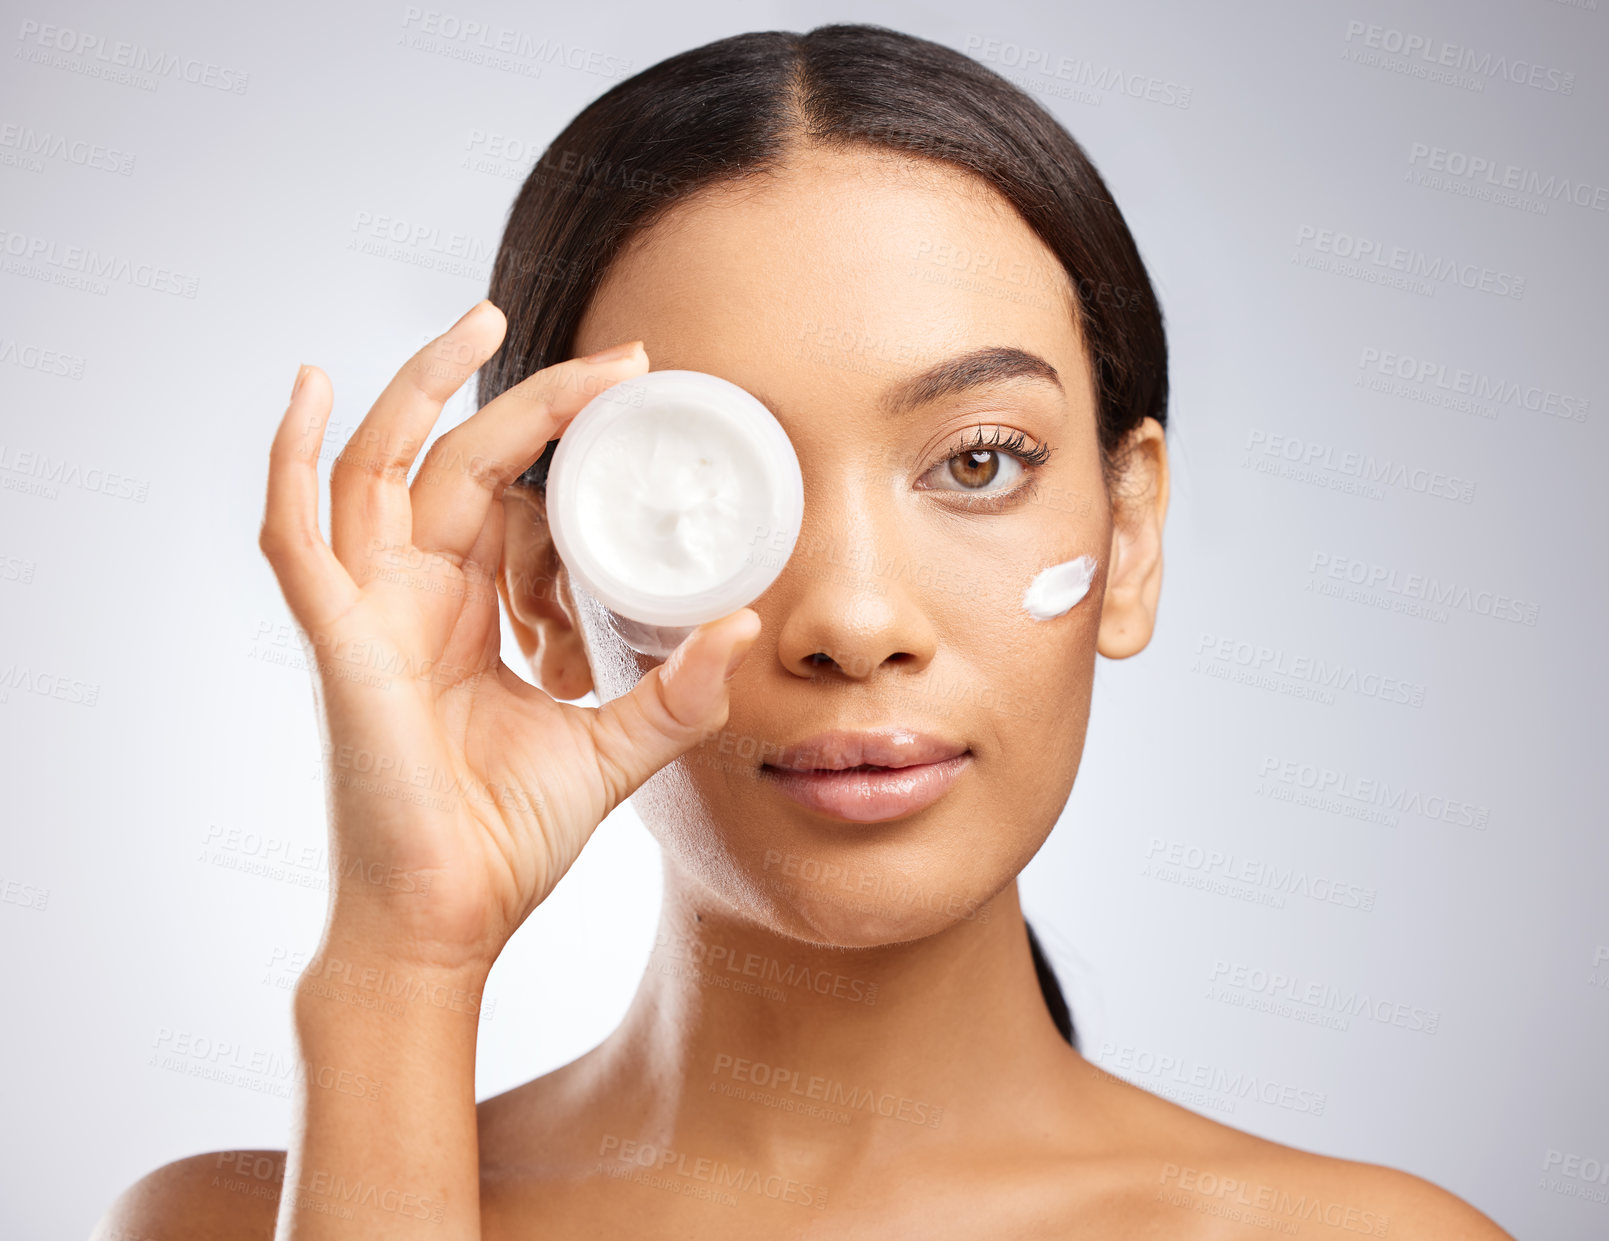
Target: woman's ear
{"points": [[536, 594], [1134, 571]]}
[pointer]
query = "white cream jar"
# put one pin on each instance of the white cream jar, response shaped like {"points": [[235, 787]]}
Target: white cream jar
{"points": [[673, 498]]}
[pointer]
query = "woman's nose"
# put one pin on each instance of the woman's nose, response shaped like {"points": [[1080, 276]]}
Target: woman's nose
{"points": [[847, 605]]}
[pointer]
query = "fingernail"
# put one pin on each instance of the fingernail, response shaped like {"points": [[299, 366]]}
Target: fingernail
{"points": [[737, 659], [614, 353], [301, 374]]}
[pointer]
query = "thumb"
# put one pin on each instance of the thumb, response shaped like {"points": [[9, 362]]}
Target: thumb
{"points": [[673, 706]]}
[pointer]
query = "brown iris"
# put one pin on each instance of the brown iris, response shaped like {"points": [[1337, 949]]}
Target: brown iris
{"points": [[975, 467]]}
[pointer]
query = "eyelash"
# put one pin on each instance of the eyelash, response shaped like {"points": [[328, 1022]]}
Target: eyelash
{"points": [[1013, 442]]}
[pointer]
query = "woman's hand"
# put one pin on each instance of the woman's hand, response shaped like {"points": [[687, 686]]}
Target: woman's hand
{"points": [[459, 794]]}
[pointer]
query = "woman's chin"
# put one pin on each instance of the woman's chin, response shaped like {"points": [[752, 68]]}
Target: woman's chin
{"points": [[863, 923]]}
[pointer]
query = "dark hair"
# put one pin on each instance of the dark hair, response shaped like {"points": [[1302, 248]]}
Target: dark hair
{"points": [[732, 109], [1051, 989]]}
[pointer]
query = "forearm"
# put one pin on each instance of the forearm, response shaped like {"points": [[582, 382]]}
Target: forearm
{"points": [[385, 1142]]}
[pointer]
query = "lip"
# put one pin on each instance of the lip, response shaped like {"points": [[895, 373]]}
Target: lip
{"points": [[868, 777]]}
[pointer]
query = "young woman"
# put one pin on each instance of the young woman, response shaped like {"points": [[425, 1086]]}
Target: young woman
{"points": [[845, 1028]]}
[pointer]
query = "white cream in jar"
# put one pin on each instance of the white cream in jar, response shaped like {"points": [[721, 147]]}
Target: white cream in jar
{"points": [[674, 498]]}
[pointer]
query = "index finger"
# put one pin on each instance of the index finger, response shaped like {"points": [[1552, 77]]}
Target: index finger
{"points": [[369, 506], [467, 469]]}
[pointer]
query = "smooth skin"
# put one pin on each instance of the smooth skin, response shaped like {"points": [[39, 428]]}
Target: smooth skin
{"points": [[818, 290]]}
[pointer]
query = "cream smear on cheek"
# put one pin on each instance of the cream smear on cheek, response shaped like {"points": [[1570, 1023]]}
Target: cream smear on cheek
{"points": [[1056, 589]]}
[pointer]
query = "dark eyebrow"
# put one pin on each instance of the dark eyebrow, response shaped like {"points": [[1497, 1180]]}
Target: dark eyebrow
{"points": [[995, 364]]}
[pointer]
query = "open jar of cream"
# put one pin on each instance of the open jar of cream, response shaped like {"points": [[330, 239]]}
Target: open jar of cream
{"points": [[673, 498]]}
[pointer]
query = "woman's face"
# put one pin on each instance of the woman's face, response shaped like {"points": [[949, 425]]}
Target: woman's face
{"points": [[827, 291]]}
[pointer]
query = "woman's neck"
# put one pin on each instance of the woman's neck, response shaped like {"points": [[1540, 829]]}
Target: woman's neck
{"points": [[741, 1040]]}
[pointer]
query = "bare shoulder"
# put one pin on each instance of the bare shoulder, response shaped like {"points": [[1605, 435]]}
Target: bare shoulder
{"points": [[222, 1196], [1351, 1197], [1224, 1179], [1246, 1179], [536, 1120], [234, 1195]]}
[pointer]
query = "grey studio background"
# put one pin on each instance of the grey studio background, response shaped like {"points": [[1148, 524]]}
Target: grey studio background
{"points": [[1360, 764]]}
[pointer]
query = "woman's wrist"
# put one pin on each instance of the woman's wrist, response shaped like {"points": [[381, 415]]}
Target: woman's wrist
{"points": [[386, 1043], [351, 973], [404, 933]]}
